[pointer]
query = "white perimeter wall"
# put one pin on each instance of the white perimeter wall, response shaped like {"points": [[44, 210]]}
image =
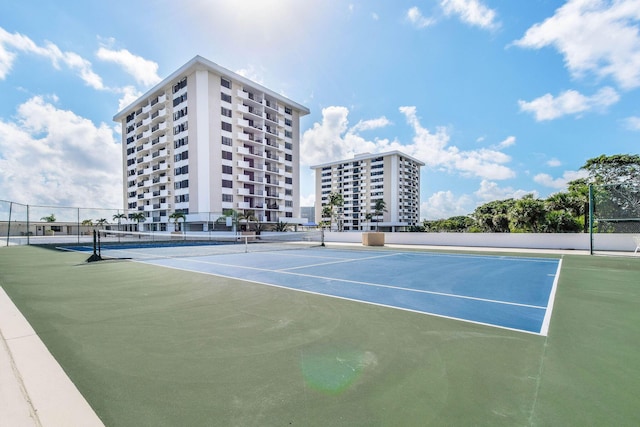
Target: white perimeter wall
{"points": [[577, 241]]}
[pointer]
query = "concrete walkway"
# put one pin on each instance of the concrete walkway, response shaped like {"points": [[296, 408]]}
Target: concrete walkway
{"points": [[34, 389]]}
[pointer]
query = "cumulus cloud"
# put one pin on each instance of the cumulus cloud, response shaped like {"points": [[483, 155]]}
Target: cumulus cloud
{"points": [[57, 157], [559, 183], [595, 37], [433, 149], [472, 12], [333, 139], [570, 102], [554, 163], [632, 123], [143, 70], [445, 204], [417, 19], [10, 44], [490, 191]]}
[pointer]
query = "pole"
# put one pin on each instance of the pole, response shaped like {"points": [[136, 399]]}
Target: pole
{"points": [[28, 234], [591, 219], [9, 223]]}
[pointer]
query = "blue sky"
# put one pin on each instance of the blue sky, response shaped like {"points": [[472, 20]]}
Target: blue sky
{"points": [[498, 98]]}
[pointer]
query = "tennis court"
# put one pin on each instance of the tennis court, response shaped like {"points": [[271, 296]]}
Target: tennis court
{"points": [[376, 337], [509, 292]]}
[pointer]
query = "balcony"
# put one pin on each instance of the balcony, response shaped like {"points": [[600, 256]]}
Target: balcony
{"points": [[247, 178]]}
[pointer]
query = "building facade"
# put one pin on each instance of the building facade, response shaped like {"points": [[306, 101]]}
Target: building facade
{"points": [[392, 177], [208, 143]]}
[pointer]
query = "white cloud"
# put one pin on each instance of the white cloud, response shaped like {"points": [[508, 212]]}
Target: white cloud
{"points": [[332, 140], [364, 125], [444, 204], [554, 163], [129, 95], [548, 107], [594, 36], [433, 149], [508, 142], [10, 43], [308, 199], [252, 74], [53, 156], [632, 123], [472, 12], [417, 19], [559, 183], [490, 191], [143, 70]]}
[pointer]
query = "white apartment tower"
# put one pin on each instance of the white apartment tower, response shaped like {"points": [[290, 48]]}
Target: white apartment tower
{"points": [[392, 177], [205, 142]]}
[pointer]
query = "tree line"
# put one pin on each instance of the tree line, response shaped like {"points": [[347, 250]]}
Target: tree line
{"points": [[563, 212]]}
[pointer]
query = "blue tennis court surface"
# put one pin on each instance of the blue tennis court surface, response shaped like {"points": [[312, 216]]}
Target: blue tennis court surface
{"points": [[508, 292]]}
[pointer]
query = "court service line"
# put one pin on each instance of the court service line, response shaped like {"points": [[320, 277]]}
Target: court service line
{"points": [[340, 261]]}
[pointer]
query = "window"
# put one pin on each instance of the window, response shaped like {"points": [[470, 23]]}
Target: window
{"points": [[287, 110], [179, 100], [181, 156], [181, 184], [227, 126], [227, 183], [180, 113], [180, 128], [182, 83], [227, 141], [288, 122], [288, 157], [288, 180], [181, 170], [180, 142], [227, 198], [225, 112], [180, 198], [288, 134], [227, 169], [225, 97], [227, 155], [225, 83]]}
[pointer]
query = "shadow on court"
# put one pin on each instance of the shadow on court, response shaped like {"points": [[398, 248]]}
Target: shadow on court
{"points": [[148, 345]]}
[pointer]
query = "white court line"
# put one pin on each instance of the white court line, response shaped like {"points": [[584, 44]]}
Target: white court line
{"points": [[544, 330], [366, 284]]}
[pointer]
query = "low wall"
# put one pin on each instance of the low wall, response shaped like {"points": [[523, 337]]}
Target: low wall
{"points": [[576, 241]]}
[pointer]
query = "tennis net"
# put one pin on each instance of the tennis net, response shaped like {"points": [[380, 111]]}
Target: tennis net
{"points": [[139, 245]]}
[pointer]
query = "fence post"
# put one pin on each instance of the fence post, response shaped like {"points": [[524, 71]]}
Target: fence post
{"points": [[28, 234], [9, 223], [590, 219]]}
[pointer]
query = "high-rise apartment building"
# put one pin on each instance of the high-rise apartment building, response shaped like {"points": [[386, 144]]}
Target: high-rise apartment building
{"points": [[392, 177], [206, 142]]}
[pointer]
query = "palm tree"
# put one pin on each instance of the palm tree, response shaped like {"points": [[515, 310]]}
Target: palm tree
{"points": [[176, 217], [119, 217], [138, 217], [327, 213], [368, 216], [378, 209], [335, 201], [50, 218], [102, 222]]}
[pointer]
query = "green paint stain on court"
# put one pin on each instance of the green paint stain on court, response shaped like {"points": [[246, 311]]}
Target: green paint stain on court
{"points": [[334, 371]]}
